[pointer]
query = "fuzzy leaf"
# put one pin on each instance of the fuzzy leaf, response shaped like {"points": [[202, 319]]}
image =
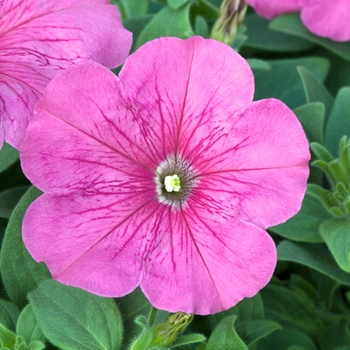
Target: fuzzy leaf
{"points": [[27, 326]]}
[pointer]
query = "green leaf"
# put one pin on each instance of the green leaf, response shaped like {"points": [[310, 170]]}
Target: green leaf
{"points": [[291, 24], [8, 156], [249, 309], [255, 63], [188, 339], [175, 4], [210, 12], [261, 37], [8, 314], [335, 336], [224, 337], [313, 255], [8, 200], [20, 273], [285, 338], [131, 306], [27, 326], [252, 330], [201, 27], [283, 82], [304, 226], [36, 345], [338, 124], [291, 309], [315, 91], [72, 318], [132, 8], [335, 233], [311, 117], [144, 340], [136, 25], [7, 338], [167, 22]]}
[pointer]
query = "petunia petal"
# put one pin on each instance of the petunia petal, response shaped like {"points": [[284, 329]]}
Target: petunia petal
{"points": [[255, 160], [328, 19], [168, 88], [206, 264], [94, 245], [272, 8], [90, 142], [36, 44]]}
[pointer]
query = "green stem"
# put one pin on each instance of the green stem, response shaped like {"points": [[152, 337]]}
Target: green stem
{"points": [[152, 316]]}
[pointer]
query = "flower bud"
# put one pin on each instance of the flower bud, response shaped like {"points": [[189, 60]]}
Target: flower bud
{"points": [[231, 16], [165, 333]]}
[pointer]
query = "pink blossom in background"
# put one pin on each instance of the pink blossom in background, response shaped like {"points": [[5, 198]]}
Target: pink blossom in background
{"points": [[38, 39], [166, 177], [325, 18]]}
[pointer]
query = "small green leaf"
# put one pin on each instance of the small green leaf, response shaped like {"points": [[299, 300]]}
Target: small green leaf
{"points": [[167, 22], [335, 233], [291, 24], [20, 273], [304, 226], [36, 345], [338, 124], [315, 91], [8, 156], [313, 255], [27, 326], [72, 318], [225, 337], [7, 338]]}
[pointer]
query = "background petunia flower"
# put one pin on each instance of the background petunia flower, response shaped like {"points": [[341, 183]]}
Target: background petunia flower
{"points": [[180, 116], [38, 39], [325, 18]]}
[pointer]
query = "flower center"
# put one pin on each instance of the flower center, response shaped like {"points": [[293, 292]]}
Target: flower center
{"points": [[175, 180], [172, 183]]}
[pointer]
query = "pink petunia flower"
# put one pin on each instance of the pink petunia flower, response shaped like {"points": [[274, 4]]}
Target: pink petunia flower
{"points": [[164, 178], [38, 39], [325, 18]]}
